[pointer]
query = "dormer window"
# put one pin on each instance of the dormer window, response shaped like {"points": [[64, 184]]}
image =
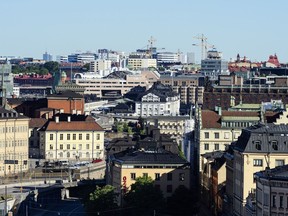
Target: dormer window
{"points": [[274, 144], [258, 145]]}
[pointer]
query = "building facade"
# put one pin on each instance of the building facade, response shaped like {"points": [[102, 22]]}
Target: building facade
{"points": [[258, 147], [158, 100], [167, 170], [14, 141], [141, 63], [71, 137]]}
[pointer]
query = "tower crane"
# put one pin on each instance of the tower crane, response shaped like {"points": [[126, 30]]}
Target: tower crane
{"points": [[204, 45], [151, 42]]}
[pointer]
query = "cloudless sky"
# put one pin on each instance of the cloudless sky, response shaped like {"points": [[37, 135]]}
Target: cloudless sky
{"points": [[254, 28]]}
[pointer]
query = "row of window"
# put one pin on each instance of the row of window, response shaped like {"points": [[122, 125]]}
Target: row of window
{"points": [[69, 154], [68, 136], [259, 162], [216, 146], [68, 146], [217, 135], [13, 129], [158, 176], [12, 143], [273, 143]]}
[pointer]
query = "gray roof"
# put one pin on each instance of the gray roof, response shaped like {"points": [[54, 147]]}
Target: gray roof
{"points": [[139, 157], [269, 136], [8, 114], [278, 173], [65, 94]]}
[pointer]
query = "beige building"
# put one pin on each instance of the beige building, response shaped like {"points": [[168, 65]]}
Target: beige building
{"points": [[271, 192], [14, 139], [117, 83], [259, 146], [215, 130], [71, 137], [141, 63], [189, 86], [100, 65], [168, 170]]}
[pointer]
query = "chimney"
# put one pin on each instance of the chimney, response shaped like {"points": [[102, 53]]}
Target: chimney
{"points": [[68, 118], [57, 119]]}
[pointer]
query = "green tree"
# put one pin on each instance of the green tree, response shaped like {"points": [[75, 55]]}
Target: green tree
{"points": [[181, 153], [183, 202], [52, 66], [43, 71], [86, 67], [125, 126], [144, 196], [119, 128], [101, 199], [130, 131]]}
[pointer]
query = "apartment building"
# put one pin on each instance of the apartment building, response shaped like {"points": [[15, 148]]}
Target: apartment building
{"points": [[168, 170], [141, 63], [71, 137], [100, 65], [189, 86], [271, 192], [258, 147], [158, 100], [117, 83], [14, 139], [215, 130]]}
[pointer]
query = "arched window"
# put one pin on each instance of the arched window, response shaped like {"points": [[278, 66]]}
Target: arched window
{"points": [[274, 145], [257, 144]]}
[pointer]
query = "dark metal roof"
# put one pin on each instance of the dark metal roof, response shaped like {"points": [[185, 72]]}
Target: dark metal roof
{"points": [[65, 94], [139, 157], [267, 135]]}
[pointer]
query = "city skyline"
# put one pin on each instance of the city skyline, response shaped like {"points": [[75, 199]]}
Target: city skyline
{"points": [[62, 27]]}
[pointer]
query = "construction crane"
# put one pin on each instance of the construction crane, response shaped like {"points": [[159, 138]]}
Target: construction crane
{"points": [[204, 45], [151, 42]]}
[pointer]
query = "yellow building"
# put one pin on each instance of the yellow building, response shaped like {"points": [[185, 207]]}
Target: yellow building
{"points": [[259, 146], [71, 137], [14, 137], [168, 170], [140, 63]]}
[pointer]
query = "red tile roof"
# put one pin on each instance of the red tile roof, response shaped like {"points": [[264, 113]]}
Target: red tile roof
{"points": [[210, 119], [72, 126], [37, 122]]}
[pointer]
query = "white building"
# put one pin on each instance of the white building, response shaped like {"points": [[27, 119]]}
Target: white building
{"points": [[71, 137], [158, 100], [167, 57], [140, 63]]}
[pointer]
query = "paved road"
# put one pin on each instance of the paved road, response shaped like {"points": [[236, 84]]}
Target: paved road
{"points": [[49, 203]]}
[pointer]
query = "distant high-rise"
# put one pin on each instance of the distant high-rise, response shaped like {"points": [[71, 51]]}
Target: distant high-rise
{"points": [[190, 58], [47, 57]]}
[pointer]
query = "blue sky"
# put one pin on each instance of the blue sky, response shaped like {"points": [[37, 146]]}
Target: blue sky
{"points": [[249, 27]]}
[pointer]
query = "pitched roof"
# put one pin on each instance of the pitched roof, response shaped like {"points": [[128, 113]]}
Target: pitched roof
{"points": [[37, 122], [72, 126], [139, 157], [210, 119]]}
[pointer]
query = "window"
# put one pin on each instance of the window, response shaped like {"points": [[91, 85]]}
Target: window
{"points": [[74, 146], [87, 136], [169, 188], [216, 146], [169, 176], [206, 146], [279, 163], [257, 162], [87, 146], [74, 136], [133, 176], [257, 144], [226, 135], [68, 154], [51, 136], [61, 146], [275, 145], [68, 146], [80, 136], [181, 176], [281, 201], [51, 147], [80, 146], [274, 201], [68, 136], [61, 136], [206, 134], [216, 135], [145, 175], [157, 176], [98, 137]]}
